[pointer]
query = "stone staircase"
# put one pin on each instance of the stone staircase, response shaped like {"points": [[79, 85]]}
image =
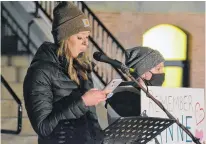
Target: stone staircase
{"points": [[13, 69]]}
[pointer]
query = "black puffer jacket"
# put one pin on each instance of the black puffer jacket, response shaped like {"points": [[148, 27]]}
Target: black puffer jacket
{"points": [[54, 104]]}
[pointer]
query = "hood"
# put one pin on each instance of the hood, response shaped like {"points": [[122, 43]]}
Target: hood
{"points": [[46, 52]]}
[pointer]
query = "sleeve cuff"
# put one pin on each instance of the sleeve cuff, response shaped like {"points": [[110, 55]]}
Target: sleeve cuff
{"points": [[82, 105]]}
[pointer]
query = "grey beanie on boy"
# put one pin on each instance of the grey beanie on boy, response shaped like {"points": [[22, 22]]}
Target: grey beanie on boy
{"points": [[143, 59], [68, 20]]}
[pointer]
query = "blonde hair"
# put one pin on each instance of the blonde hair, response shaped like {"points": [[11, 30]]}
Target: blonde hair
{"points": [[80, 65]]}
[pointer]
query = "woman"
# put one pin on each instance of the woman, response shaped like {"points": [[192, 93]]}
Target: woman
{"points": [[148, 64], [58, 93]]}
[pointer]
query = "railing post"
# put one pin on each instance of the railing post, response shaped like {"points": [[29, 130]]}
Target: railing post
{"points": [[36, 10], [28, 40], [19, 126]]}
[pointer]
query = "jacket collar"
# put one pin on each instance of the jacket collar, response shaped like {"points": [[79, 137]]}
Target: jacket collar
{"points": [[63, 63]]}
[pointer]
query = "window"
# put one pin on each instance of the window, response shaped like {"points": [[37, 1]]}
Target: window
{"points": [[172, 44]]}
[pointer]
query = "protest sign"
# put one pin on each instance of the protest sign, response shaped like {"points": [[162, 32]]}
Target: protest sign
{"points": [[185, 104]]}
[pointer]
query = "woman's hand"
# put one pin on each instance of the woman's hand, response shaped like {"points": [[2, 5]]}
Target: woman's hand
{"points": [[94, 97]]}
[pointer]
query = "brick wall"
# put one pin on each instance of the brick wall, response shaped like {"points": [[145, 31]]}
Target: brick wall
{"points": [[128, 28]]}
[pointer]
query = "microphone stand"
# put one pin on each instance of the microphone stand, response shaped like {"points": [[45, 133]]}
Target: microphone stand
{"points": [[126, 71]]}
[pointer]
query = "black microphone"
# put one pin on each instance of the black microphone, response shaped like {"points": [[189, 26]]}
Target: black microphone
{"points": [[98, 56]]}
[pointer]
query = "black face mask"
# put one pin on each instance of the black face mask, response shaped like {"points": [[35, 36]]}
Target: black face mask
{"points": [[156, 79]]}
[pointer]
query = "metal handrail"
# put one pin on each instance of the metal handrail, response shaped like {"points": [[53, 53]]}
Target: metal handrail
{"points": [[99, 49], [16, 32], [102, 25], [18, 101]]}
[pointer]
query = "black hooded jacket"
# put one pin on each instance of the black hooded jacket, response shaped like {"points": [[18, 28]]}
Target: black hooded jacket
{"points": [[54, 104]]}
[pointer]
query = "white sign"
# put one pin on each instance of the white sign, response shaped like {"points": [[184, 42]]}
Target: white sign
{"points": [[185, 104]]}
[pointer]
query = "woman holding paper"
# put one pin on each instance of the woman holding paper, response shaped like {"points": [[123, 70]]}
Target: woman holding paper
{"points": [[58, 93]]}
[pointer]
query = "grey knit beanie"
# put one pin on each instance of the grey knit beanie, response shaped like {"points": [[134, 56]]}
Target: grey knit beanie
{"points": [[68, 20], [143, 59]]}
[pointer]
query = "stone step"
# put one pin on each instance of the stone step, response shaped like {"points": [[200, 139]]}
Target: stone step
{"points": [[11, 124], [13, 73], [9, 73], [22, 61], [9, 109], [18, 139], [17, 88], [4, 60], [22, 73]]}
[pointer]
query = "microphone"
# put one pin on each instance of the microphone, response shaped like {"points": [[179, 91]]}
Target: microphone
{"points": [[98, 56]]}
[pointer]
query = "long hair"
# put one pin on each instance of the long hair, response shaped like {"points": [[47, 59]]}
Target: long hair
{"points": [[79, 66]]}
